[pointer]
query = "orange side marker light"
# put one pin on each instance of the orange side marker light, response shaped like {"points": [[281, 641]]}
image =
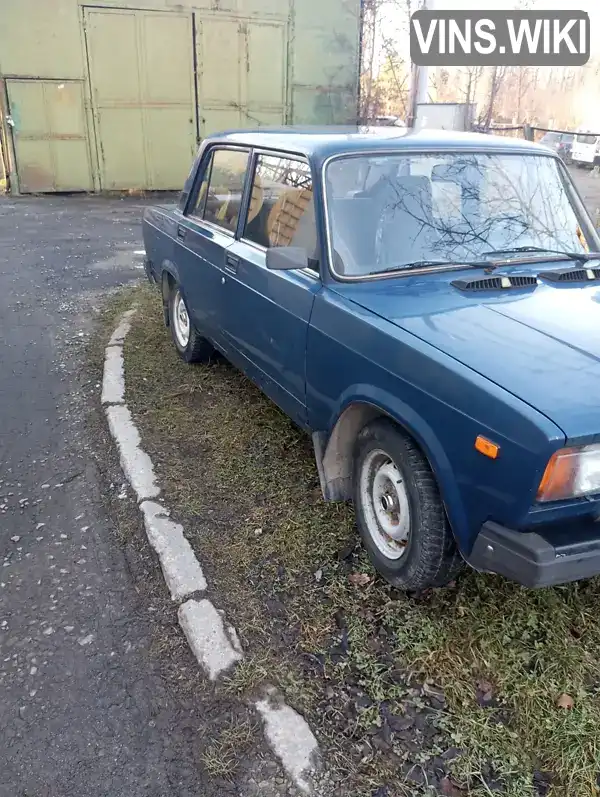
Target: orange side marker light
{"points": [[486, 447]]}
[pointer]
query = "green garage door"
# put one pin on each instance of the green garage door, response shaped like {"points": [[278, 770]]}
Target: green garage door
{"points": [[141, 68], [242, 72]]}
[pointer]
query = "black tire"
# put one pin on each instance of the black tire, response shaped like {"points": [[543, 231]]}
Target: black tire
{"points": [[431, 557], [197, 349]]}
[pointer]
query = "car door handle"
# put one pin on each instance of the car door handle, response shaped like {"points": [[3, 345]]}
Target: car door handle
{"points": [[231, 262], [181, 232]]}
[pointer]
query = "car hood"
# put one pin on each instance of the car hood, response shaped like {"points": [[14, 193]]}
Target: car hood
{"points": [[541, 344]]}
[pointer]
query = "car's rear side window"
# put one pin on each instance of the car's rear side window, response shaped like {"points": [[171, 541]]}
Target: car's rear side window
{"points": [[220, 195], [282, 210]]}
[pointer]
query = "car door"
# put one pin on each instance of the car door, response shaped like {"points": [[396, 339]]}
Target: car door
{"points": [[204, 234], [268, 312]]}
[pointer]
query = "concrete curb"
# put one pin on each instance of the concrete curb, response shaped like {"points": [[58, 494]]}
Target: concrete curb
{"points": [[205, 632], [136, 464], [113, 385], [214, 644], [180, 567], [290, 738]]}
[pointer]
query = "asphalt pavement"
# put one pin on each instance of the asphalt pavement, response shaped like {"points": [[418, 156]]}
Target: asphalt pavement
{"points": [[85, 710]]}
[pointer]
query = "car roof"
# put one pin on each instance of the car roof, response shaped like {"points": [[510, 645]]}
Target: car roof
{"points": [[322, 142]]}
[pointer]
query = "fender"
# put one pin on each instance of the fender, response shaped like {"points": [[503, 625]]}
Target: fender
{"points": [[168, 272], [170, 268], [360, 404]]}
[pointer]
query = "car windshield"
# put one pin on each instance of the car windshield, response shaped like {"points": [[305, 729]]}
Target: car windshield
{"points": [[396, 211], [585, 138]]}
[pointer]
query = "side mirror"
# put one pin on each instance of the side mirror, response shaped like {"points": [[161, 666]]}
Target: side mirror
{"points": [[284, 258]]}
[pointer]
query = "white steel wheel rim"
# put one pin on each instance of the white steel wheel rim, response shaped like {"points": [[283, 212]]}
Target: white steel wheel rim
{"points": [[181, 320], [385, 504]]}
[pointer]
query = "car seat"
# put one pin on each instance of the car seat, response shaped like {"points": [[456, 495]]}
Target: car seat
{"points": [[405, 224]]}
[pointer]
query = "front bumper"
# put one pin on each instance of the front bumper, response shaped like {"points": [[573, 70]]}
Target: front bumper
{"points": [[554, 555]]}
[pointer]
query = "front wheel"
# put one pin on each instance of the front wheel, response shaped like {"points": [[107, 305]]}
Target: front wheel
{"points": [[191, 347], [399, 511]]}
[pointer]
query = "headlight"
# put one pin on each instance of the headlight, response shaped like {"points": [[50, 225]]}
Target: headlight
{"points": [[570, 473]]}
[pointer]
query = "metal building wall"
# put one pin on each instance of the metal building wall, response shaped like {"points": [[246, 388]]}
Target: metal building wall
{"points": [[117, 94]]}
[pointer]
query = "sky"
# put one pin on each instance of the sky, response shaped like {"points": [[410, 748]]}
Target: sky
{"points": [[591, 6]]}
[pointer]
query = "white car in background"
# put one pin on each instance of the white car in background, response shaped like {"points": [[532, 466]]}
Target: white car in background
{"points": [[586, 148]]}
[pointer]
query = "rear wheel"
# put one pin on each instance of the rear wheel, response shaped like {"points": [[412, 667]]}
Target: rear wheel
{"points": [[399, 511], [191, 347]]}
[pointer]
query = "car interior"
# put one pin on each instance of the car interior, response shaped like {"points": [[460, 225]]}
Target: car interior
{"points": [[391, 221], [278, 214]]}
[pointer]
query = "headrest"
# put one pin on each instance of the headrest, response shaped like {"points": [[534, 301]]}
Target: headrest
{"points": [[285, 215]]}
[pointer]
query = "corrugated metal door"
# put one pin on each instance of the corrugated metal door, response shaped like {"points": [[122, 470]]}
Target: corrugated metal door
{"points": [[219, 73], [242, 71], [265, 74], [141, 69], [50, 135]]}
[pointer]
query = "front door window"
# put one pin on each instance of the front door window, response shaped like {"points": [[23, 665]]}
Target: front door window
{"points": [[282, 210]]}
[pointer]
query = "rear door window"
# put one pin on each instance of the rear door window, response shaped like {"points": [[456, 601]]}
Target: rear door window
{"points": [[219, 197], [197, 208]]}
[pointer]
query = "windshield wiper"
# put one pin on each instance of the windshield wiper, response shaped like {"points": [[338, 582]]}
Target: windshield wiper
{"points": [[492, 264], [579, 256], [425, 263]]}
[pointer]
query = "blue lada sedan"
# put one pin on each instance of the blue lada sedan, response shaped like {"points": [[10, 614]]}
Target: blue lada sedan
{"points": [[426, 305]]}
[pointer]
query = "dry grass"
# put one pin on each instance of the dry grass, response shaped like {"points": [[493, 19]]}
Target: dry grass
{"points": [[222, 755], [243, 480]]}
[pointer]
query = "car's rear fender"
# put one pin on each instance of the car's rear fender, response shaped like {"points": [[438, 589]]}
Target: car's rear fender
{"points": [[169, 276], [159, 226], [170, 269]]}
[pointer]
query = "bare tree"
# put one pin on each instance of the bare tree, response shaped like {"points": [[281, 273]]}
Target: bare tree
{"points": [[496, 77], [541, 96], [392, 84], [370, 19]]}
